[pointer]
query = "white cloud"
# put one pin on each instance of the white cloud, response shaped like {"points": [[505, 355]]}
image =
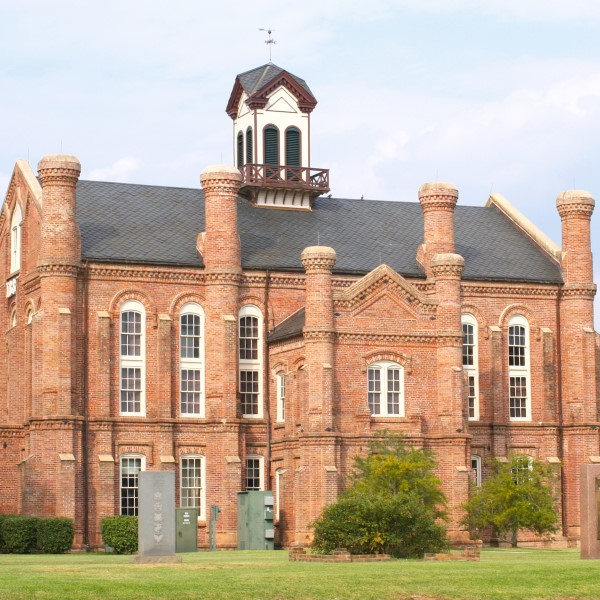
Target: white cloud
{"points": [[119, 171]]}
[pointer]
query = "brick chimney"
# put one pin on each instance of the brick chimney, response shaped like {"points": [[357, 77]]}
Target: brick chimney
{"points": [[438, 200]]}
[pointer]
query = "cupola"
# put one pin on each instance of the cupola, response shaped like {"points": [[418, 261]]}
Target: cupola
{"points": [[271, 111]]}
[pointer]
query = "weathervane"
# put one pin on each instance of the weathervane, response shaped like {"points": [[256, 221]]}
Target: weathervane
{"points": [[270, 41]]}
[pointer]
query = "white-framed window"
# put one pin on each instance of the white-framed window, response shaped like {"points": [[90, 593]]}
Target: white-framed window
{"points": [[15, 239], [280, 397], [132, 358], [385, 389], [521, 468], [519, 399], [476, 469], [131, 465], [254, 473], [192, 491], [250, 361], [470, 364], [191, 360], [278, 495]]}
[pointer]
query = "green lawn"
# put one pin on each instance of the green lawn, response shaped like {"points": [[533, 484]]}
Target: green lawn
{"points": [[506, 574]]}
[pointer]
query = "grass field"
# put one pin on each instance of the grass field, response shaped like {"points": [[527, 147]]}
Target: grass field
{"points": [[505, 574]]}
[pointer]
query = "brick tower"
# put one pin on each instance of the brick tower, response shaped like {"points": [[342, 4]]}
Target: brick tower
{"points": [[220, 249], [53, 441], [577, 347]]}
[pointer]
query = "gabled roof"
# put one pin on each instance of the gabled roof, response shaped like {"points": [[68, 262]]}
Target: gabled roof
{"points": [[128, 223], [259, 82], [289, 327]]}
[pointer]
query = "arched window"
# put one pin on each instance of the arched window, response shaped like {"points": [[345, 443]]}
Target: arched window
{"points": [[280, 397], [470, 364], [254, 473], [192, 491], [132, 353], [519, 399], [191, 360], [250, 361], [249, 146], [271, 150], [131, 465], [15, 239], [240, 150], [13, 318], [385, 383]]}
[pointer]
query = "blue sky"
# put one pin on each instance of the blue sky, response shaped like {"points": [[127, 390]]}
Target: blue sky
{"points": [[492, 96]]}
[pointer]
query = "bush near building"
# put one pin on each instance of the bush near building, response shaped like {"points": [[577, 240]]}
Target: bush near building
{"points": [[393, 505], [120, 532]]}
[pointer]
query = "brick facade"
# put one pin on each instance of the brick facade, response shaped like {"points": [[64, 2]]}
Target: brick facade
{"points": [[63, 432]]}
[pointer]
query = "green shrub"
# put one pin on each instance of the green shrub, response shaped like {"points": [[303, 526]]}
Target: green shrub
{"points": [[19, 533], [398, 524], [2, 517], [121, 533], [55, 535]]}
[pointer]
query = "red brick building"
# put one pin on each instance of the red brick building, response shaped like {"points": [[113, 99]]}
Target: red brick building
{"points": [[255, 333]]}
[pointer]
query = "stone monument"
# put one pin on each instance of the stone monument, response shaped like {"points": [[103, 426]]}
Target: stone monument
{"points": [[156, 517], [590, 509]]}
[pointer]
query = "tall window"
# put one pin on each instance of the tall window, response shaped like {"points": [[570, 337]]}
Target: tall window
{"points": [[280, 397], [518, 369], [191, 360], [240, 150], [132, 358], [249, 146], [271, 151], [192, 476], [292, 153], [15, 239], [470, 364], [476, 470], [385, 383], [131, 465], [278, 495], [254, 473], [250, 361]]}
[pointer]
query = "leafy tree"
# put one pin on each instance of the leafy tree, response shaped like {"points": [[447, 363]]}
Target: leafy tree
{"points": [[518, 495], [393, 505]]}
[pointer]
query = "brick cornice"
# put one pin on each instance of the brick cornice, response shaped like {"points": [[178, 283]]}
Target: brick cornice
{"points": [[517, 289], [579, 290], [59, 270]]}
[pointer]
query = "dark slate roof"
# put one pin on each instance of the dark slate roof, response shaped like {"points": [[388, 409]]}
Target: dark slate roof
{"points": [[131, 223], [290, 327], [256, 78]]}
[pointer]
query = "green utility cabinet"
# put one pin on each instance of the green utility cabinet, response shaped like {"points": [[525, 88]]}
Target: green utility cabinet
{"points": [[187, 530], [255, 521]]}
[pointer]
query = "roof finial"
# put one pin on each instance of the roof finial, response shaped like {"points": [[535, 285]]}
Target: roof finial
{"points": [[270, 41]]}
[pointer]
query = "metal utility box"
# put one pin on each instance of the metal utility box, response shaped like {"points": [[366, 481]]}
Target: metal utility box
{"points": [[187, 530], [255, 521]]}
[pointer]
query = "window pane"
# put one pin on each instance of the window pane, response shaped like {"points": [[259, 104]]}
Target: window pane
{"points": [[253, 474], [518, 397], [468, 344], [374, 382], [130, 469], [190, 336], [191, 482], [131, 389], [190, 391], [131, 333], [516, 346], [472, 397], [249, 392], [393, 396], [249, 338]]}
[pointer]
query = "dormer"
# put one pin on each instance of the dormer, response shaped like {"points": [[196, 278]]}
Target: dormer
{"points": [[271, 111]]}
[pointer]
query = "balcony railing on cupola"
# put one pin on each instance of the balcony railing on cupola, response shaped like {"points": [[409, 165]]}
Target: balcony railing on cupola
{"points": [[283, 186]]}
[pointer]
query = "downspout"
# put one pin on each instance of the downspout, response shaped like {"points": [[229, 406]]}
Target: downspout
{"points": [[563, 484], [84, 430], [267, 379]]}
